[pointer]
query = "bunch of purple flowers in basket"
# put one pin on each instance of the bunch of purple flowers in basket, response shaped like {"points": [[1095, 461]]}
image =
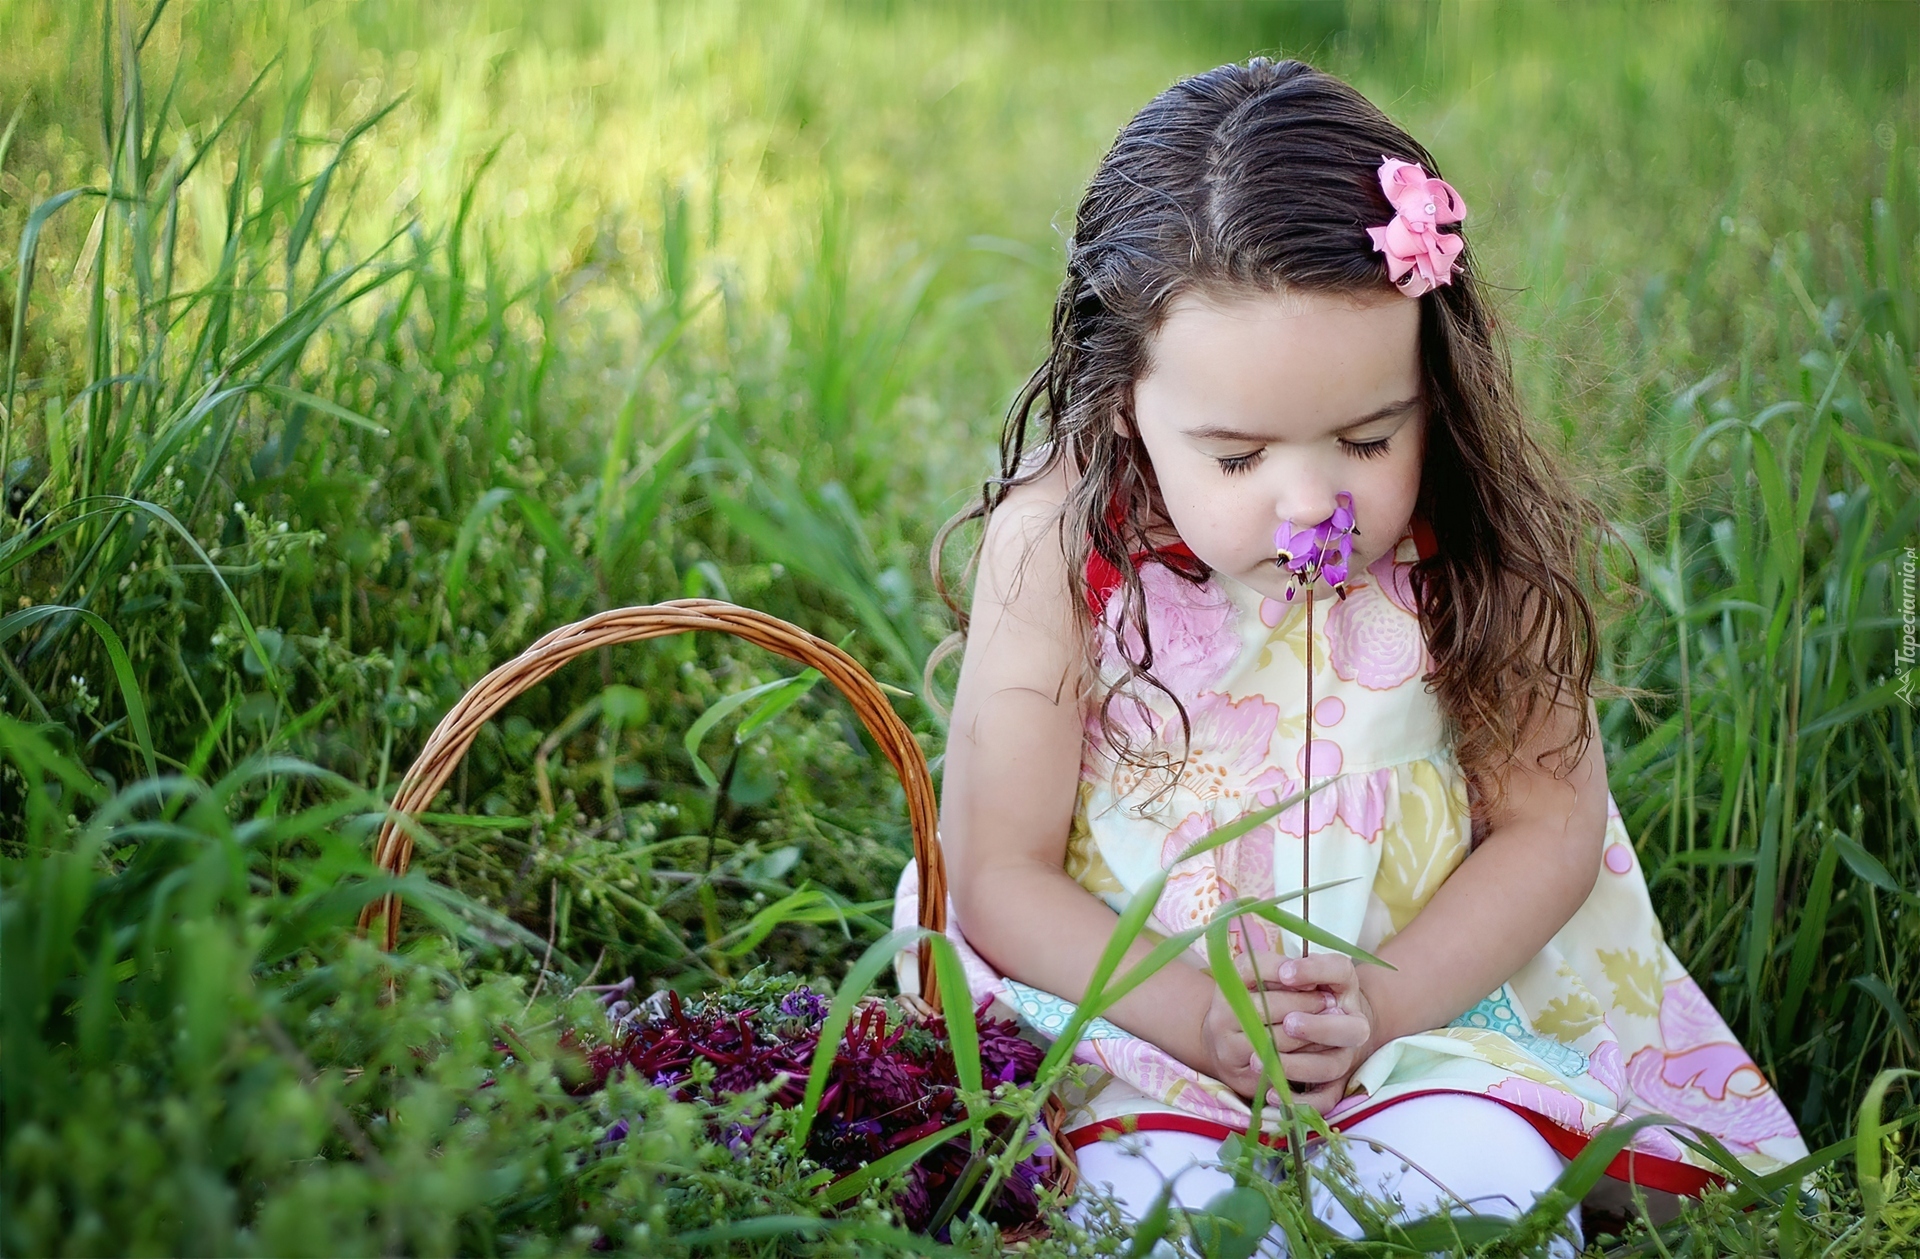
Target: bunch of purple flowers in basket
{"points": [[893, 1081]]}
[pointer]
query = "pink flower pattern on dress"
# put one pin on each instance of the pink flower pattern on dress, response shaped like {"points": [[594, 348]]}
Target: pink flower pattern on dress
{"points": [[1373, 640], [1159, 1074], [1569, 1112], [1703, 1076], [1197, 887], [1658, 1142], [1230, 742], [1556, 1104], [1136, 721], [1359, 800], [1191, 626], [1395, 580], [1603, 1064]]}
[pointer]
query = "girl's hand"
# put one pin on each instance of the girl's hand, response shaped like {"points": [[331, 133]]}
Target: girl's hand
{"points": [[1332, 1029], [1230, 1054]]}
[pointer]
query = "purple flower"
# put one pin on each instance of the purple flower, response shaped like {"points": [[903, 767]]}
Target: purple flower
{"points": [[1008, 1057], [893, 1081], [1322, 550], [804, 1003]]}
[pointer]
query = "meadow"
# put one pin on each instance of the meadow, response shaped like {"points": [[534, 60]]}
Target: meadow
{"points": [[353, 347]]}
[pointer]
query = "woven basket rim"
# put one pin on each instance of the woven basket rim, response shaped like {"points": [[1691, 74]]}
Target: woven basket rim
{"points": [[454, 735]]}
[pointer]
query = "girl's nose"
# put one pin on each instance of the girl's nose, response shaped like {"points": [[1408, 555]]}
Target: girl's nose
{"points": [[1303, 506]]}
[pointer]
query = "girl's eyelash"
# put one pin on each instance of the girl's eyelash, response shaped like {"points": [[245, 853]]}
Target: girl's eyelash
{"points": [[1234, 464]]}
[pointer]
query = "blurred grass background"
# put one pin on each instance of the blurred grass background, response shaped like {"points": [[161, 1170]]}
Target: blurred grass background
{"points": [[379, 339]]}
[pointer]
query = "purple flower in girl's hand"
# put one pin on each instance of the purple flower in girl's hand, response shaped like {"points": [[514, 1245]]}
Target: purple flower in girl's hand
{"points": [[1317, 551]]}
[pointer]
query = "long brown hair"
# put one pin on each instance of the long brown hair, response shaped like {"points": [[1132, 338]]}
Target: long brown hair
{"points": [[1261, 178]]}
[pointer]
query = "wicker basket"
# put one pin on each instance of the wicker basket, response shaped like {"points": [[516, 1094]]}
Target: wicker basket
{"points": [[457, 730]]}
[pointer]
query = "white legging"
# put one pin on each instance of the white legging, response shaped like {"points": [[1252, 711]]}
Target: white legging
{"points": [[1429, 1153]]}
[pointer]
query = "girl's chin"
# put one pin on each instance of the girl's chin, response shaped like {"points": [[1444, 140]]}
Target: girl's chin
{"points": [[1271, 583]]}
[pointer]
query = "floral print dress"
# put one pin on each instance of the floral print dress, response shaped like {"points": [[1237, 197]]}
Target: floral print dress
{"points": [[1603, 1023]]}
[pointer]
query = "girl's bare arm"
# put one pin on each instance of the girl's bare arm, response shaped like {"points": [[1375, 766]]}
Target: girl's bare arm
{"points": [[1011, 781], [1532, 871]]}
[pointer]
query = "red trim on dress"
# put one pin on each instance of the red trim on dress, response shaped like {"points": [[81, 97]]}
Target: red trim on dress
{"points": [[1423, 540], [1103, 578], [1632, 1166]]}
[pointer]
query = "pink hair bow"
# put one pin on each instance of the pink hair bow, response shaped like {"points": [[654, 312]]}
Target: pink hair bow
{"points": [[1420, 256]]}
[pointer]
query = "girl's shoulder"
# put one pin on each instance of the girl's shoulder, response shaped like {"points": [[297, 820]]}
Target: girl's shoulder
{"points": [[1030, 512], [1023, 553], [1022, 632]]}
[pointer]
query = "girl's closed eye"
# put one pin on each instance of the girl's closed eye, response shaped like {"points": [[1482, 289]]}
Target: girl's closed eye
{"points": [[1235, 464]]}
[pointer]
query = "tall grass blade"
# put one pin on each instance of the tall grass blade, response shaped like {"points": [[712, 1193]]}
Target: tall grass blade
{"points": [[123, 674], [859, 978], [1869, 1135]]}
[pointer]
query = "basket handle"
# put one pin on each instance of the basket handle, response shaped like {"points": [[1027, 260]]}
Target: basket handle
{"points": [[451, 739]]}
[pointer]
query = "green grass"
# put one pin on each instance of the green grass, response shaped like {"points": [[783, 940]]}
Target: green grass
{"points": [[349, 350]]}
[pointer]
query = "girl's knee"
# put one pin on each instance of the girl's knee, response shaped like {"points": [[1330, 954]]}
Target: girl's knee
{"points": [[1447, 1152], [1458, 1136], [1135, 1170]]}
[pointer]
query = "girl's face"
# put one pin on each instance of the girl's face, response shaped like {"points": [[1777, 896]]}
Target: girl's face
{"points": [[1259, 409]]}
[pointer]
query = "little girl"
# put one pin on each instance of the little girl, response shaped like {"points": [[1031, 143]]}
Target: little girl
{"points": [[1276, 406]]}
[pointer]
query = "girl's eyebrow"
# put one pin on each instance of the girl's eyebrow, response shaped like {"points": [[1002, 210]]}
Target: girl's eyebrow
{"points": [[1215, 433]]}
